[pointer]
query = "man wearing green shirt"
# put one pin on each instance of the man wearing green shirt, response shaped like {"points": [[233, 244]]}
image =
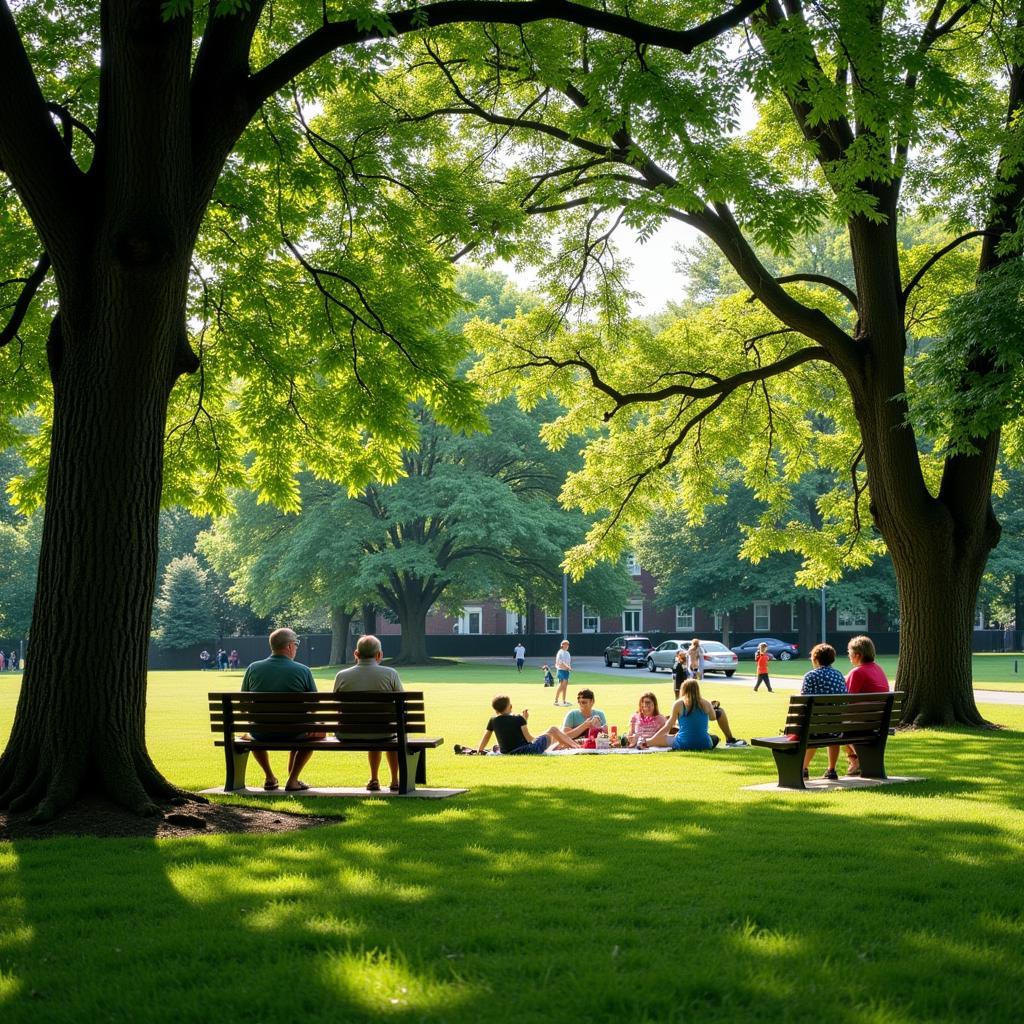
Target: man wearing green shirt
{"points": [[280, 673]]}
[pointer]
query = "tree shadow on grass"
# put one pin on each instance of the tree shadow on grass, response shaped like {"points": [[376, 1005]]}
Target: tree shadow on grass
{"points": [[529, 904]]}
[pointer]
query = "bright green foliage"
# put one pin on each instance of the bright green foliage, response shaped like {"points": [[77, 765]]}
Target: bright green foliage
{"points": [[611, 135], [183, 614], [469, 517], [994, 311], [323, 268]]}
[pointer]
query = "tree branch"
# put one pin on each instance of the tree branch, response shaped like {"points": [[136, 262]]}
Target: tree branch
{"points": [[719, 387], [333, 35], [32, 153], [829, 282], [936, 256], [31, 285]]}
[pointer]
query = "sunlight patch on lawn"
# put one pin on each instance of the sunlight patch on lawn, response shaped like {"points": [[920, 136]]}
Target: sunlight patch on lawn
{"points": [[10, 986], [336, 927], [753, 939], [379, 983], [362, 882], [208, 883]]}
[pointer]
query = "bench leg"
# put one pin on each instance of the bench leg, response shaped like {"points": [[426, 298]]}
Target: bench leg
{"points": [[790, 765], [872, 760], [411, 769], [236, 761]]}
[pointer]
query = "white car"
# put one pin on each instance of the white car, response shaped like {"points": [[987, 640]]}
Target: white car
{"points": [[717, 657]]}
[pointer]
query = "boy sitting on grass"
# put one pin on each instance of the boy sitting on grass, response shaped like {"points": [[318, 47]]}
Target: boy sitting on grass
{"points": [[514, 737]]}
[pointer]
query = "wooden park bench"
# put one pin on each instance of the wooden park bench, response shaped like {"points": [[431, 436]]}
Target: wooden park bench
{"points": [[861, 720], [352, 721]]}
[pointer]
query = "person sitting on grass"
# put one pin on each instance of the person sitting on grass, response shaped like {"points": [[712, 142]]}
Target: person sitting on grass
{"points": [[822, 679], [646, 721], [514, 737], [691, 714], [585, 717]]}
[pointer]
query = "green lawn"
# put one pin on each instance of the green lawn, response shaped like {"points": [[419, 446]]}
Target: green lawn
{"points": [[558, 889]]}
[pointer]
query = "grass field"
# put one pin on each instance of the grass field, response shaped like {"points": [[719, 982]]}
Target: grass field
{"points": [[558, 889]]}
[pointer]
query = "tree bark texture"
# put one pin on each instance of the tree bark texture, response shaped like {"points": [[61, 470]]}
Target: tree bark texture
{"points": [[341, 620], [939, 544], [120, 246], [80, 722]]}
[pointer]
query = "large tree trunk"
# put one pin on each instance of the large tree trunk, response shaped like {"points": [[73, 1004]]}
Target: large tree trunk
{"points": [[341, 619], [120, 258], [939, 544], [80, 721]]}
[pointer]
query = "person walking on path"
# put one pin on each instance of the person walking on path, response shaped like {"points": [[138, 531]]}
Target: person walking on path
{"points": [[520, 656], [563, 669], [761, 660]]}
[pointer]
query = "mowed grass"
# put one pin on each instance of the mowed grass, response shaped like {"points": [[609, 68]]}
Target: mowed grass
{"points": [[648, 888]]}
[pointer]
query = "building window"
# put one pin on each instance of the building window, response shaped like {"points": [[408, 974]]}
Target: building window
{"points": [[684, 619], [512, 622], [632, 618], [632, 564], [762, 616], [591, 622], [979, 619], [471, 621], [794, 617], [718, 622], [852, 620], [552, 623]]}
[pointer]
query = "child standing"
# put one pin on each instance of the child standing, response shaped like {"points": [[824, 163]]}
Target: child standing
{"points": [[761, 659], [514, 737], [680, 673], [549, 679]]}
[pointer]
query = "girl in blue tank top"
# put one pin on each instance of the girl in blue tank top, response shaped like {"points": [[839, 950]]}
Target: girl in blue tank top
{"points": [[691, 715]]}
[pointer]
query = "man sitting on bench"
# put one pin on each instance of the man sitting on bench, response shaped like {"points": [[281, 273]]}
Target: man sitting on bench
{"points": [[368, 674], [280, 673]]}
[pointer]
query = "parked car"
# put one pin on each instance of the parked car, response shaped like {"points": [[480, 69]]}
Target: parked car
{"points": [[717, 657], [628, 650], [776, 648]]}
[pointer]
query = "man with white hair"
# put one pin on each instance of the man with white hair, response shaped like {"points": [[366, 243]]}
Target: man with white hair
{"points": [[368, 674]]}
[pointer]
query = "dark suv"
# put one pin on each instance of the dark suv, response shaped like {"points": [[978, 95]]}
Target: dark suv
{"points": [[628, 650]]}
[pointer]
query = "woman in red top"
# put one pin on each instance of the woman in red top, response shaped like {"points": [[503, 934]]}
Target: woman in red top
{"points": [[866, 676]]}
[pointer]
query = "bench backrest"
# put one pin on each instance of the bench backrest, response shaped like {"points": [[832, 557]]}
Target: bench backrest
{"points": [[351, 715], [814, 717]]}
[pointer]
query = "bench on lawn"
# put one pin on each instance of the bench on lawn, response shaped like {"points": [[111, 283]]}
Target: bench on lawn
{"points": [[352, 720], [861, 720]]}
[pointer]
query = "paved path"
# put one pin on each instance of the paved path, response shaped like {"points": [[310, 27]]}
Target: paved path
{"points": [[743, 677]]}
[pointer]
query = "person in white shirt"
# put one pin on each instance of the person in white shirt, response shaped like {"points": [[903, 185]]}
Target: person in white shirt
{"points": [[563, 667], [520, 656]]}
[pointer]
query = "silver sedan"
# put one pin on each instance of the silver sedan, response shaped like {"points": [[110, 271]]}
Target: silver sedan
{"points": [[717, 657]]}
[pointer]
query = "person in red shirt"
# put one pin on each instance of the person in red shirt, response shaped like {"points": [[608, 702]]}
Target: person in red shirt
{"points": [[761, 660], [866, 676]]}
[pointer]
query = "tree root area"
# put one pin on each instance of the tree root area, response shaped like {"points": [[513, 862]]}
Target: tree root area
{"points": [[94, 816]]}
